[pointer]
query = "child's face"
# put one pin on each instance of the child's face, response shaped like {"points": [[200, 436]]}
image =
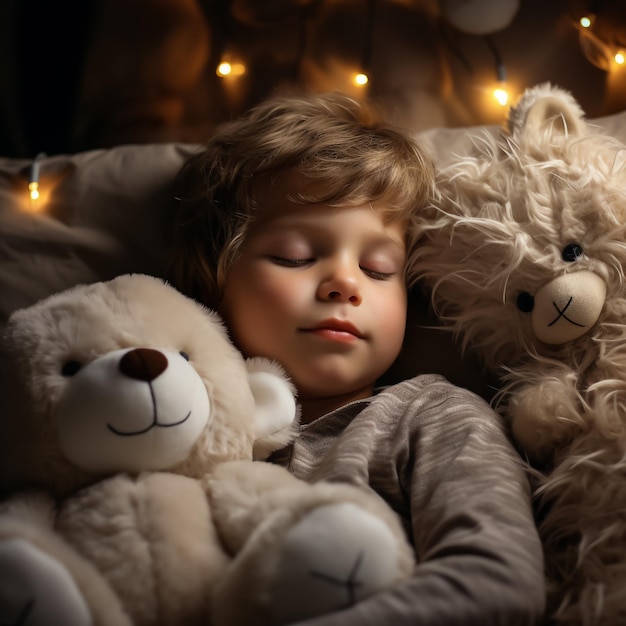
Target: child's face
{"points": [[322, 291]]}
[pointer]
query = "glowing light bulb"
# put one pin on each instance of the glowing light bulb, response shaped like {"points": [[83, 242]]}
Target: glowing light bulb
{"points": [[33, 181], [361, 79], [224, 69], [619, 57], [33, 188], [501, 95], [585, 21], [230, 69]]}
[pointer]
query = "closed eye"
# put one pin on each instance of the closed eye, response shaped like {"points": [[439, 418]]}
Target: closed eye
{"points": [[285, 262], [377, 275]]}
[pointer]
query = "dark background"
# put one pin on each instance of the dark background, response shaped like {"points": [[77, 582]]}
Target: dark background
{"points": [[84, 74]]}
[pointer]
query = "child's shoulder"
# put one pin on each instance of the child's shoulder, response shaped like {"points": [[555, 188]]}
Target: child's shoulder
{"points": [[435, 384], [433, 399]]}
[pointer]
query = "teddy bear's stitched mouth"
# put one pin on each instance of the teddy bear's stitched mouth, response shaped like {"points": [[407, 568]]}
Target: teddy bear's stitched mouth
{"points": [[561, 314], [155, 424], [155, 419]]}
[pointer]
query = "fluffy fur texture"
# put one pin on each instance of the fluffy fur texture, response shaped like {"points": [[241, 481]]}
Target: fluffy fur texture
{"points": [[112, 526], [535, 218]]}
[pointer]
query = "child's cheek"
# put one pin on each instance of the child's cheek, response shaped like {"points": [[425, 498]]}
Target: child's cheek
{"points": [[390, 313], [283, 292]]}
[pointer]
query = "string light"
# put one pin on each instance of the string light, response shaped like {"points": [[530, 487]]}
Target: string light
{"points": [[361, 78], [33, 181], [226, 68], [33, 186], [501, 95], [501, 92], [606, 55]]}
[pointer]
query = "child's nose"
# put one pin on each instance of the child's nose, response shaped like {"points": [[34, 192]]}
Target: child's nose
{"points": [[343, 286]]}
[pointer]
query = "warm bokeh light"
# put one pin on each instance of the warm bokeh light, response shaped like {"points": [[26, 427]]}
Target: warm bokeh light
{"points": [[35, 198], [230, 69], [620, 58], [34, 195], [224, 69], [361, 79], [585, 21], [34, 190], [501, 95]]}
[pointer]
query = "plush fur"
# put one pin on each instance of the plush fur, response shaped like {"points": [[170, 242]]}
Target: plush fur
{"points": [[129, 427], [524, 250]]}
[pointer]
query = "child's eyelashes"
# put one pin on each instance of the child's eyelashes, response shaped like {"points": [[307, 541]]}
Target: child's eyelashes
{"points": [[290, 262], [378, 275], [287, 262]]}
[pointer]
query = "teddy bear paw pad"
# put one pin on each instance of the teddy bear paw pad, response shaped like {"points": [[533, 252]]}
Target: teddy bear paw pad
{"points": [[332, 558], [36, 590]]}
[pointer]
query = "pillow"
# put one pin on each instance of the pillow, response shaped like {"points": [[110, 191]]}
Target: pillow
{"points": [[444, 143], [100, 214]]}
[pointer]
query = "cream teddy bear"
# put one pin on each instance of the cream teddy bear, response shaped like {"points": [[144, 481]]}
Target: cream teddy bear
{"points": [[129, 425], [524, 252]]}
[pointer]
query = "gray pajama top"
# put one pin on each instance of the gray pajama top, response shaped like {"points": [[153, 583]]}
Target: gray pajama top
{"points": [[441, 458]]}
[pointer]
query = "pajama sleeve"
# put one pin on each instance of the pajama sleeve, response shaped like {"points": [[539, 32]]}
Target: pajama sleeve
{"points": [[442, 458]]}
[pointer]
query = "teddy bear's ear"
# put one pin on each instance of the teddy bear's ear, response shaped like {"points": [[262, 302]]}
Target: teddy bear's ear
{"points": [[276, 412], [546, 116]]}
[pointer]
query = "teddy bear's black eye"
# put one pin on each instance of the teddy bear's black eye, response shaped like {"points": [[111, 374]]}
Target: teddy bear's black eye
{"points": [[184, 355], [525, 302], [572, 252], [70, 368]]}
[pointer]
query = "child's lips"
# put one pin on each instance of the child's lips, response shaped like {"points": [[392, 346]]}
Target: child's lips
{"points": [[337, 330]]}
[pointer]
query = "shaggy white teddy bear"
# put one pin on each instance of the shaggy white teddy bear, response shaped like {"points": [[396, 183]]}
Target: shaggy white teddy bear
{"points": [[524, 252], [128, 427]]}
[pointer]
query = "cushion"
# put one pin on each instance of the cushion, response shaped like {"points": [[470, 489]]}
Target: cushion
{"points": [[100, 214]]}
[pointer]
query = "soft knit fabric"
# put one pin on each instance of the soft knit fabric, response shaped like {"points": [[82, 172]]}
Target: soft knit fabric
{"points": [[441, 458]]}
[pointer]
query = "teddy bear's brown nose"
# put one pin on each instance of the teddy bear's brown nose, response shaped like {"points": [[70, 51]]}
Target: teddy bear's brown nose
{"points": [[143, 364]]}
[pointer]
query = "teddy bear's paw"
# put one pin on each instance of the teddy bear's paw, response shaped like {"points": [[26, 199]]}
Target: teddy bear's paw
{"points": [[546, 414], [36, 590], [332, 558]]}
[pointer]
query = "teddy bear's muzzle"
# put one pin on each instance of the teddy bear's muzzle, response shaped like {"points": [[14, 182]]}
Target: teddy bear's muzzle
{"points": [[567, 307], [132, 410]]}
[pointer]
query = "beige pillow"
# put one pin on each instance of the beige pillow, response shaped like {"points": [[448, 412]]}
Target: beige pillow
{"points": [[444, 143], [100, 214]]}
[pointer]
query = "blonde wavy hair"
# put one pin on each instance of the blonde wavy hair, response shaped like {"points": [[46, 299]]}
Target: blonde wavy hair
{"points": [[330, 139]]}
